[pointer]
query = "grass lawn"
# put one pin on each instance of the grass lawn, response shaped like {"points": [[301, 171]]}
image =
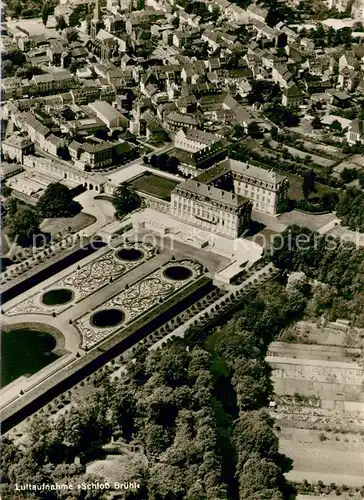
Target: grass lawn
{"points": [[67, 224], [295, 187], [182, 156], [154, 185]]}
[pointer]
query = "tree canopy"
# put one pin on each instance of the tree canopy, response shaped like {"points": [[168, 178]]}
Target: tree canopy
{"points": [[339, 264], [308, 183], [282, 116], [23, 225], [126, 200], [351, 209], [165, 162], [57, 201], [264, 91]]}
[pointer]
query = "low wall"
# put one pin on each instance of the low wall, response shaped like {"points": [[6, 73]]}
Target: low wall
{"points": [[270, 221]]}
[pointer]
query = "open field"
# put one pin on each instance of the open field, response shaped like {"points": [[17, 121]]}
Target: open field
{"points": [[324, 453], [295, 186], [325, 150], [320, 402], [320, 161], [331, 334], [154, 185], [357, 160]]}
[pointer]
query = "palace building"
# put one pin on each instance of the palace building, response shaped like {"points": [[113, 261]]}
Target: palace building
{"points": [[207, 202], [265, 188], [221, 199]]}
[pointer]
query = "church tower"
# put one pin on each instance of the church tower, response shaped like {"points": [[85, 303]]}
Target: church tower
{"points": [[96, 22]]}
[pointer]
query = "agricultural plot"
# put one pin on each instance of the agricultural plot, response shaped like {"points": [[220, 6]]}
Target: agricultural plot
{"points": [[320, 402]]}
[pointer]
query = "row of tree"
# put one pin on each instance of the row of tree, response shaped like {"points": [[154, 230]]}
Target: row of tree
{"points": [[331, 37], [163, 162]]}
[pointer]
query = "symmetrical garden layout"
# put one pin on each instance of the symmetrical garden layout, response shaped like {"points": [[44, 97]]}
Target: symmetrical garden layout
{"points": [[85, 281], [130, 303]]}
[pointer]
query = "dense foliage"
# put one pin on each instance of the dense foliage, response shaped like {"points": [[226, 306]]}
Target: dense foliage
{"points": [[57, 201], [126, 200], [338, 264], [165, 162], [23, 226], [29, 8], [281, 116], [350, 209], [308, 184]]}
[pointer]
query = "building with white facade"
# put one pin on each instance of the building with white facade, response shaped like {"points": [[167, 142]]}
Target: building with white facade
{"points": [[355, 134], [16, 146], [201, 203], [266, 189], [357, 10], [220, 199], [194, 140], [108, 114]]}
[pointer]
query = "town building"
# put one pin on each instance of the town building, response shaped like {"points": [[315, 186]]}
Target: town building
{"points": [[15, 147], [292, 96], [108, 114], [355, 134], [175, 121], [194, 140], [8, 170], [91, 155], [220, 199]]}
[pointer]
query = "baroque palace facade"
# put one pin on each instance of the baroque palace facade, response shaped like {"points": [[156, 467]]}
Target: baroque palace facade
{"points": [[221, 199]]}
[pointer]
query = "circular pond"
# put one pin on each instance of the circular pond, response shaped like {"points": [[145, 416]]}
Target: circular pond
{"points": [[57, 297], [107, 317], [177, 273], [25, 351], [129, 254]]}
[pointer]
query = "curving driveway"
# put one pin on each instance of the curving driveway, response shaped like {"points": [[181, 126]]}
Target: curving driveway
{"points": [[102, 210]]}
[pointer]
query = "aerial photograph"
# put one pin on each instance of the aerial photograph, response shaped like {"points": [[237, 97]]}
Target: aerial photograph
{"points": [[182, 250]]}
